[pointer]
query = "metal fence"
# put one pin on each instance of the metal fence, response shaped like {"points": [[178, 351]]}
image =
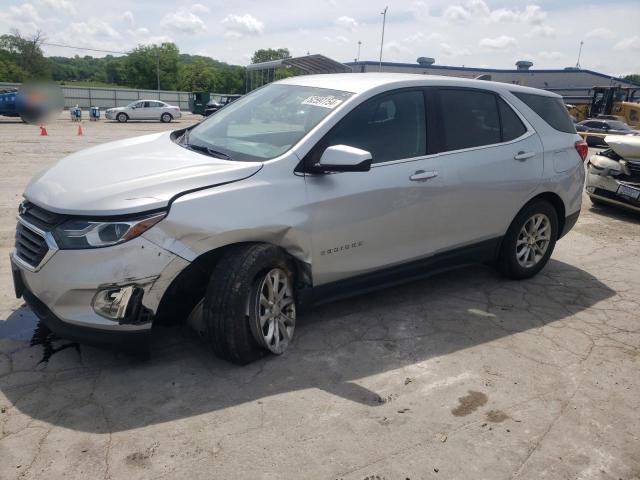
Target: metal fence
{"points": [[104, 98]]}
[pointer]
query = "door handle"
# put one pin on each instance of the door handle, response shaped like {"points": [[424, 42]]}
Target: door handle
{"points": [[522, 156], [421, 175]]}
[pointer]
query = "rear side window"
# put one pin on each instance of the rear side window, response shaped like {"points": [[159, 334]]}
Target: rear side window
{"points": [[550, 109], [390, 127], [512, 126], [469, 118]]}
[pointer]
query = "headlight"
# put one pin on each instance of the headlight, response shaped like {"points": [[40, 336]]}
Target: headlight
{"points": [[605, 163], [78, 234]]}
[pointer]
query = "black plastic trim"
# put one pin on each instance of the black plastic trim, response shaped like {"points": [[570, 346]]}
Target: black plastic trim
{"points": [[137, 340], [569, 222], [480, 252]]}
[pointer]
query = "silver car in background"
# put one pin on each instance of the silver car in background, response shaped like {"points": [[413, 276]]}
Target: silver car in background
{"points": [[145, 110], [307, 190]]}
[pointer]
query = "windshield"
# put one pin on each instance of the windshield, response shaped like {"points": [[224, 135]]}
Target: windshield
{"points": [[264, 124], [618, 125]]}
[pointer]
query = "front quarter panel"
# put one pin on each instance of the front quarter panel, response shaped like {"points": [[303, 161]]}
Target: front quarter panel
{"points": [[268, 207]]}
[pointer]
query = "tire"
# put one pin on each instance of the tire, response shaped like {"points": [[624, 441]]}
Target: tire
{"points": [[232, 306], [122, 117], [514, 260], [166, 118]]}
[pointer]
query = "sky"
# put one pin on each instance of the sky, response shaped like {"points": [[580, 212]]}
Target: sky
{"points": [[478, 33]]}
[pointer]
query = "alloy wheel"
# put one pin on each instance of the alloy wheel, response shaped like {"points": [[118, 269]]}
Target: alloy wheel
{"points": [[533, 240], [275, 318]]}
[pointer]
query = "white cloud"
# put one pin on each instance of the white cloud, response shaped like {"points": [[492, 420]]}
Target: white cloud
{"points": [[600, 33], [631, 43], [554, 55], [242, 25], [25, 13], [396, 47], [341, 40], [542, 31], [94, 28], [127, 16], [183, 21], [503, 42], [420, 37], [450, 51], [479, 10], [457, 13], [60, 5], [347, 23], [199, 8]]}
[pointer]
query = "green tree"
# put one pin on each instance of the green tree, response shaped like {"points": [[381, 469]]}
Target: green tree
{"points": [[196, 77], [23, 56], [635, 78], [268, 54], [142, 63]]}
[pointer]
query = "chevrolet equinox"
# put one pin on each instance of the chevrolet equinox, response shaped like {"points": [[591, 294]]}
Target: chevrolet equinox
{"points": [[309, 189]]}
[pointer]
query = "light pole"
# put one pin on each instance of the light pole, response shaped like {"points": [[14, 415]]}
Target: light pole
{"points": [[579, 54], [358, 57], [384, 20]]}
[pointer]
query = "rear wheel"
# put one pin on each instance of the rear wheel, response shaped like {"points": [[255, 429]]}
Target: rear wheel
{"points": [[122, 117], [249, 307], [530, 241], [166, 118]]}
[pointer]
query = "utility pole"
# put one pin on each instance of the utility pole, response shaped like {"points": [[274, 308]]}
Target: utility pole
{"points": [[358, 57], [579, 54], [158, 70], [384, 20]]}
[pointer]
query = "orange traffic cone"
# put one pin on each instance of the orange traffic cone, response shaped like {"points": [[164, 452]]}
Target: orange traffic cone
{"points": [[43, 131], [80, 130]]}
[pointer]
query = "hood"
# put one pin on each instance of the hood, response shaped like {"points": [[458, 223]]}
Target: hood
{"points": [[129, 176], [627, 146]]}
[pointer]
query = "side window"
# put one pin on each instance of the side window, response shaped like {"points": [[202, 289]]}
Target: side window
{"points": [[512, 126], [390, 127], [469, 118], [146, 104]]}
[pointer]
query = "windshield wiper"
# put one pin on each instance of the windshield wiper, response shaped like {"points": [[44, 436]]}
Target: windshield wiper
{"points": [[207, 150]]}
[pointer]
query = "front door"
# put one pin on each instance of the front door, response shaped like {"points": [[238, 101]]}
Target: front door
{"points": [[362, 221]]}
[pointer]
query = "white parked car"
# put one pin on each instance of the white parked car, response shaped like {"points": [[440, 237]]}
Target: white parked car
{"points": [[309, 189], [144, 110]]}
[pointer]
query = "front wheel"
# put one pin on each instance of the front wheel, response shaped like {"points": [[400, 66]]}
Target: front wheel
{"points": [[530, 241], [249, 308], [122, 117]]}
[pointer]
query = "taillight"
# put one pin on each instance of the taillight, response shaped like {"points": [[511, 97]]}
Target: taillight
{"points": [[582, 148]]}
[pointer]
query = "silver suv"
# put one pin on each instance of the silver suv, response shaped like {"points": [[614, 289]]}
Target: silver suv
{"points": [[307, 190]]}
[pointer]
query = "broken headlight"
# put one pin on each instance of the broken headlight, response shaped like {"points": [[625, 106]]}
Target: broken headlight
{"points": [[78, 234], [604, 163]]}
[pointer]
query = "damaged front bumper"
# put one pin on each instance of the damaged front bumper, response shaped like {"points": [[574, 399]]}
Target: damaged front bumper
{"points": [[102, 295], [622, 190]]}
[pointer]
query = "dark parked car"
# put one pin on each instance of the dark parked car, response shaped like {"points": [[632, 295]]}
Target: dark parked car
{"points": [[217, 102], [600, 128]]}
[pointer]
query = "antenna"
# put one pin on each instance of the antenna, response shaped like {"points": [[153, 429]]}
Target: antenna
{"points": [[579, 54], [384, 21]]}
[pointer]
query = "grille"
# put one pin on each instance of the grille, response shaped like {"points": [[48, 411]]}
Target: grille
{"points": [[40, 217], [30, 246], [634, 167]]}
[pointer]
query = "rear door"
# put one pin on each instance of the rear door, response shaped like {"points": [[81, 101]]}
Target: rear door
{"points": [[489, 161]]}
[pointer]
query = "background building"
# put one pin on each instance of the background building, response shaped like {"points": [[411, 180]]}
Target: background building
{"points": [[572, 83]]}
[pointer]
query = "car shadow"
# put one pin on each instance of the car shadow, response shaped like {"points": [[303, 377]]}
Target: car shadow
{"points": [[617, 213], [337, 345]]}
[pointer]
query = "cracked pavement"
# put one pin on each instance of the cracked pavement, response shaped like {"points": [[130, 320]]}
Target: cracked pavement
{"points": [[463, 375]]}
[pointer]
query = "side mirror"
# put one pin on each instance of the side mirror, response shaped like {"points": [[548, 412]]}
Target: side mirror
{"points": [[343, 158]]}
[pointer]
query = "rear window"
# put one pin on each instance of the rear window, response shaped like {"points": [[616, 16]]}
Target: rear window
{"points": [[550, 109], [469, 119]]}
